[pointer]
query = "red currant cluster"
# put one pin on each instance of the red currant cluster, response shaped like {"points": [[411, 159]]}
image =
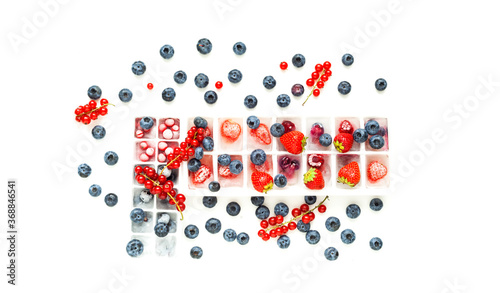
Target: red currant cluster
{"points": [[186, 148], [274, 226], [159, 185], [318, 78], [89, 112]]}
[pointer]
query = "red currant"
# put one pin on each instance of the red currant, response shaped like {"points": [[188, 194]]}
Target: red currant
{"points": [[273, 233], [193, 128], [279, 219], [320, 84], [148, 184], [185, 157], [316, 92], [283, 65], [266, 237], [167, 188], [183, 145], [261, 233], [328, 72], [306, 219], [78, 111], [180, 197], [272, 221], [279, 231], [327, 65], [190, 152], [86, 108], [78, 118], [304, 207], [150, 172], [218, 85], [173, 193], [162, 179], [176, 165], [188, 140], [177, 150], [181, 207], [140, 179], [138, 170], [85, 119], [324, 77], [292, 226], [264, 224], [312, 216], [157, 189], [103, 111], [190, 133], [171, 201], [104, 102], [322, 208], [310, 82], [296, 212], [92, 105], [150, 86], [162, 196], [318, 67], [93, 116], [200, 138], [195, 143], [284, 229], [315, 75]]}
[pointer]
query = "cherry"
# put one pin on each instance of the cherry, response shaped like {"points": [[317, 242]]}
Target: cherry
{"points": [[322, 208], [218, 85], [296, 212], [289, 126], [316, 92], [317, 130], [310, 82], [264, 224], [318, 67], [283, 65], [150, 86], [304, 207]]}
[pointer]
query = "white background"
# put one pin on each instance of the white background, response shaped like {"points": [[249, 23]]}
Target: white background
{"points": [[439, 225]]}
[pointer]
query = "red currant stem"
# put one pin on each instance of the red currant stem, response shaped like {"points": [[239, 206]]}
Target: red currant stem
{"points": [[168, 193], [93, 110], [293, 219], [314, 87]]}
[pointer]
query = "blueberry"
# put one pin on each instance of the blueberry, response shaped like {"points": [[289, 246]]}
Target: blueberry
{"points": [[303, 227], [135, 248], [198, 153], [283, 242], [257, 200], [172, 226], [298, 60], [262, 212], [229, 235], [111, 158], [310, 199], [325, 139], [360, 135], [209, 201], [98, 132], [376, 142], [196, 252], [168, 94], [95, 190], [200, 122], [353, 211], [376, 243], [193, 165], [233, 208], [146, 123], [204, 46], [201, 80], [372, 127], [347, 59], [210, 97], [167, 51], [191, 231], [283, 100], [258, 157], [380, 84], [239, 48], [125, 95], [213, 225], [137, 215], [94, 92], [180, 77], [332, 224], [161, 229], [111, 199], [277, 129], [297, 90], [313, 237], [234, 76], [281, 209], [214, 186], [280, 180], [269, 82], [236, 167], [376, 204], [84, 170], [138, 68], [344, 87], [243, 238], [208, 143], [253, 122], [224, 159], [348, 236], [331, 253], [250, 101]]}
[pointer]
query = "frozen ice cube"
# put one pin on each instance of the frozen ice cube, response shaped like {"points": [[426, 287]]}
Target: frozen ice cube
{"points": [[165, 246], [164, 218]]}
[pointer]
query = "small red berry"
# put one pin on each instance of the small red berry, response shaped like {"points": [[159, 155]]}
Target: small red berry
{"points": [[296, 212], [148, 184], [92, 105], [279, 219], [138, 170], [273, 233], [327, 65], [328, 72], [261, 233], [318, 67], [173, 193], [104, 102], [320, 84], [78, 118], [157, 189], [304, 207], [266, 237], [167, 188], [140, 179], [190, 152], [195, 143], [190, 133], [306, 219], [150, 86], [272, 221], [284, 229], [264, 224], [283, 65], [176, 165], [103, 111], [324, 77], [279, 231], [86, 108], [310, 82], [162, 196], [177, 151], [322, 208], [292, 226], [312, 216], [316, 92], [181, 206], [93, 116], [315, 75], [218, 85], [162, 179], [183, 145], [85, 119], [180, 198]]}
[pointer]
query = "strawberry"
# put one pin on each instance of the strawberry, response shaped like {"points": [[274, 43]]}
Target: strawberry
{"points": [[343, 142], [202, 174], [262, 182], [261, 134], [230, 130], [266, 167], [225, 172], [294, 142], [346, 127], [313, 179], [376, 171], [349, 174]]}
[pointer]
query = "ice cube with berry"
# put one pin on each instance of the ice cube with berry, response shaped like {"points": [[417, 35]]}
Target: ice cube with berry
{"points": [[168, 128]]}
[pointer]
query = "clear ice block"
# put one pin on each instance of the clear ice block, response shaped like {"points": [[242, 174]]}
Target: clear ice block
{"points": [[141, 133], [384, 160], [355, 125], [230, 145], [228, 179], [169, 128], [312, 141], [146, 226], [261, 137]]}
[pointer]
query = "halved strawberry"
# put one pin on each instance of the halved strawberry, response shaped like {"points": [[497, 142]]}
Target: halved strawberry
{"points": [[349, 174], [262, 182], [346, 127], [225, 172], [313, 179], [261, 134], [202, 174], [343, 142], [376, 171], [230, 130], [266, 167], [294, 142]]}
